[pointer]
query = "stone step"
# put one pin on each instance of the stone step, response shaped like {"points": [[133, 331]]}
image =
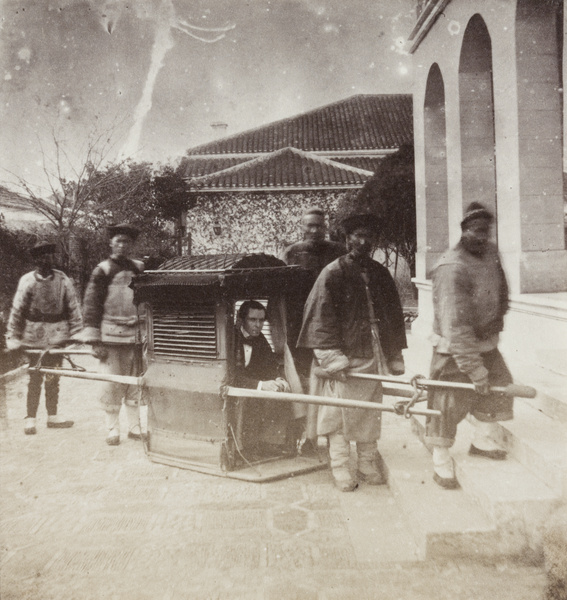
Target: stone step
{"points": [[539, 443], [446, 524], [535, 440], [517, 500], [551, 389]]}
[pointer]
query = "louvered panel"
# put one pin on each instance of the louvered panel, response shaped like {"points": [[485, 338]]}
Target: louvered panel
{"points": [[187, 333]]}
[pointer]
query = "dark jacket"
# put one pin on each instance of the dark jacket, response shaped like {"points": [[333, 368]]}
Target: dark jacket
{"points": [[263, 365], [313, 256], [470, 299], [336, 313]]}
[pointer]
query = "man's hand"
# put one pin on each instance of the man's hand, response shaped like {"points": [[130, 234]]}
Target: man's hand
{"points": [[270, 386], [13, 344], [283, 385], [482, 386], [397, 367], [100, 351], [324, 374]]}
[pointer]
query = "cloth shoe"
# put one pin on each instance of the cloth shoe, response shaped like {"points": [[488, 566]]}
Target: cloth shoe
{"points": [[485, 441], [343, 480], [58, 422], [133, 419], [309, 448], [444, 468], [339, 453], [29, 426], [113, 428], [367, 467]]}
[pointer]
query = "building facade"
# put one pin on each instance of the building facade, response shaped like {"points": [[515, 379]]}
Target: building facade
{"points": [[488, 127]]}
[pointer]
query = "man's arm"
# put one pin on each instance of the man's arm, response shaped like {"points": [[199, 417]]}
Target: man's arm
{"points": [[75, 317], [17, 318], [455, 315], [95, 297]]}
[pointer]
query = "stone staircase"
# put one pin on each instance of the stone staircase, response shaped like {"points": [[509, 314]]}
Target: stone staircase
{"points": [[501, 508]]}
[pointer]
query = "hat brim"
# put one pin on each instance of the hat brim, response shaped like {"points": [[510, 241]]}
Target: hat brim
{"points": [[367, 221], [43, 249], [131, 232]]}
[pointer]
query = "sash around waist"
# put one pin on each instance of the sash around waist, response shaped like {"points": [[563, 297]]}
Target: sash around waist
{"points": [[45, 318]]}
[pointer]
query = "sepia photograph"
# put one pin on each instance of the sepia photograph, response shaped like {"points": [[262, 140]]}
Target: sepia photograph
{"points": [[283, 300]]}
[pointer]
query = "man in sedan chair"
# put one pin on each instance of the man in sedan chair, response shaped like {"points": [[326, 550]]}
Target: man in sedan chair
{"points": [[470, 299], [256, 367], [111, 327], [353, 321], [45, 314]]}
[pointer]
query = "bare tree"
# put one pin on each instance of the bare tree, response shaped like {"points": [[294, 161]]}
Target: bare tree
{"points": [[77, 183]]}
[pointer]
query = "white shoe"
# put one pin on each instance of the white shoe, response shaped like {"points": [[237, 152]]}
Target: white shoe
{"points": [[444, 468], [55, 421], [29, 426]]}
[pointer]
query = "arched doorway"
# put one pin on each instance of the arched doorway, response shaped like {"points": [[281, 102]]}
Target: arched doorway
{"points": [[436, 187], [476, 100]]}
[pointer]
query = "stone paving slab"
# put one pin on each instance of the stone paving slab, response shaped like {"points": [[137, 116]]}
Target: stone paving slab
{"points": [[81, 520]]}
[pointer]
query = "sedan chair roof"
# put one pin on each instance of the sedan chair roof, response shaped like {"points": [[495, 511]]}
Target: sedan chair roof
{"points": [[207, 277]]}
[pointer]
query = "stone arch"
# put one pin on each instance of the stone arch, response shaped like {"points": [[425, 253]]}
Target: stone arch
{"points": [[539, 49], [436, 187], [476, 102]]}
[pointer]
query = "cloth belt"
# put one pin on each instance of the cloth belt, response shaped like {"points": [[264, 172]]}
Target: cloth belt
{"points": [[43, 318]]}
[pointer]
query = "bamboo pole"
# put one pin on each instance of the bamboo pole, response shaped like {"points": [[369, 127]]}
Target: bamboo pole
{"points": [[512, 389], [126, 379], [321, 400]]}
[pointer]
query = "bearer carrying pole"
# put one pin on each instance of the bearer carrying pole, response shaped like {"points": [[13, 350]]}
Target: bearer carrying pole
{"points": [[233, 392]]}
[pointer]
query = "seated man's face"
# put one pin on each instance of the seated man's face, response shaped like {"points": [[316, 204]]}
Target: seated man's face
{"points": [[254, 322]]}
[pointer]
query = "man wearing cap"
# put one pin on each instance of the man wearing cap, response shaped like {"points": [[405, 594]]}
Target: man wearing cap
{"points": [[111, 326], [313, 253], [470, 299], [45, 314], [353, 321]]}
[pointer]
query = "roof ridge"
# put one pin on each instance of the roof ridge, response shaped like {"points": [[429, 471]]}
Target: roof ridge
{"points": [[278, 122]]}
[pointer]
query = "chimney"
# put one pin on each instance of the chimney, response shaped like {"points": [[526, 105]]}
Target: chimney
{"points": [[219, 129]]}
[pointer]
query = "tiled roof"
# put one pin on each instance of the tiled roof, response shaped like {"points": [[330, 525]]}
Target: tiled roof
{"points": [[368, 163], [220, 262], [13, 200], [286, 169], [199, 166], [363, 122]]}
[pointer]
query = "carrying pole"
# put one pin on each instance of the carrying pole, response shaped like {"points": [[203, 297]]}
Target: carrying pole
{"points": [[233, 392], [512, 389], [127, 379]]}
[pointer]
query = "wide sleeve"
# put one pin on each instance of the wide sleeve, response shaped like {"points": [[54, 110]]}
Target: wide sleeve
{"points": [[321, 326], [20, 304], [95, 297], [393, 315], [453, 295], [73, 309]]}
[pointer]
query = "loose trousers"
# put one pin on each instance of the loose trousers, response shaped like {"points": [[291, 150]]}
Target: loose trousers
{"points": [[51, 387], [456, 404]]}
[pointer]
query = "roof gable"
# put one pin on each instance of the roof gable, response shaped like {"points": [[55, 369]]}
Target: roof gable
{"points": [[286, 169]]}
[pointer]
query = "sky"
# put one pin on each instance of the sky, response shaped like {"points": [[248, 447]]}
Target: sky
{"points": [[153, 76]]}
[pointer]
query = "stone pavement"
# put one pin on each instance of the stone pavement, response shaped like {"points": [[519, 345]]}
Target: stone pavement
{"points": [[81, 520]]}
